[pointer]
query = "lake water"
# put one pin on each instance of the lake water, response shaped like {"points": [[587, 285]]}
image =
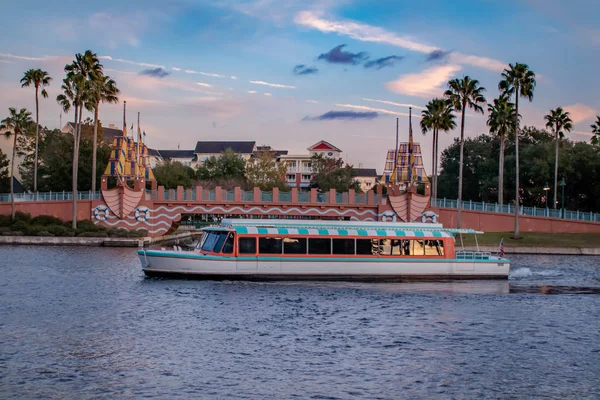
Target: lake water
{"points": [[84, 323]]}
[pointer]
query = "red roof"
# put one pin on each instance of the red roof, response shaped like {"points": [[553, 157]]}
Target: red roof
{"points": [[323, 145]]}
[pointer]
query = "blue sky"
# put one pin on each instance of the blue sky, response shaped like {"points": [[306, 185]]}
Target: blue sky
{"points": [[255, 70]]}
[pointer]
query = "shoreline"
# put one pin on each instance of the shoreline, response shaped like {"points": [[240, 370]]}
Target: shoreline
{"points": [[555, 251], [90, 241]]}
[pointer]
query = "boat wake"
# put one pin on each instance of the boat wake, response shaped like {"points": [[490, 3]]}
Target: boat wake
{"points": [[527, 273]]}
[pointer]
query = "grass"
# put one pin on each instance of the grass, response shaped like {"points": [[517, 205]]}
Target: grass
{"points": [[535, 239]]}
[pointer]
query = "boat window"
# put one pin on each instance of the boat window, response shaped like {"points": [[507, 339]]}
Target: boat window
{"points": [[247, 245], [228, 246], [269, 245], [294, 246], [418, 248], [219, 242], [390, 247], [202, 240], [210, 241], [434, 247], [343, 246], [367, 247], [319, 246]]}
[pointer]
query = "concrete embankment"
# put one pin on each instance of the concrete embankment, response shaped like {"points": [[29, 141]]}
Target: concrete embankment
{"points": [[573, 251], [91, 241]]}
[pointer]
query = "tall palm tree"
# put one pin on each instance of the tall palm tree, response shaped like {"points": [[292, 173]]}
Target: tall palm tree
{"points": [[596, 131], [519, 80], [437, 116], [462, 94], [560, 122], [15, 124], [102, 90], [500, 122], [37, 78]]}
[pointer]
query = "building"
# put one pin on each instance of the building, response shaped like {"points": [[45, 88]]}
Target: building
{"points": [[299, 167], [206, 149], [154, 157], [366, 177], [108, 133], [185, 157]]}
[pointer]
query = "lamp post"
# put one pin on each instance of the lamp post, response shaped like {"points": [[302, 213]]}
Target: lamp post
{"points": [[563, 183], [546, 189]]}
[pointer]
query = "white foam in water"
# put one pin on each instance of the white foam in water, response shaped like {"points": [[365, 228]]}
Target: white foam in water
{"points": [[521, 273]]}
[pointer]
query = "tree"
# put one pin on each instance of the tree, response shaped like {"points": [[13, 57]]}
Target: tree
{"points": [[228, 165], [37, 78], [102, 90], [331, 174], [15, 124], [85, 68], [500, 122], [4, 175], [559, 121], [437, 116], [464, 93], [172, 174], [519, 80], [596, 131], [264, 172]]}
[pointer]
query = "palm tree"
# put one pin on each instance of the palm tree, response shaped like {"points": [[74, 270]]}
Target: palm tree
{"points": [[102, 90], [519, 80], [37, 78], [462, 94], [500, 121], [437, 116], [559, 121], [15, 125], [596, 131]]}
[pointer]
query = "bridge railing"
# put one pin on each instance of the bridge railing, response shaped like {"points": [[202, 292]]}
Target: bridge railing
{"points": [[510, 209], [50, 196]]}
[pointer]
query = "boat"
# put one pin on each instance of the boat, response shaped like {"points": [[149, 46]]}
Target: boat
{"points": [[278, 249]]}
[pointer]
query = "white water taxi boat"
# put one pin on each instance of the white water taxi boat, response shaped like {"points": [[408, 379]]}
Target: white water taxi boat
{"points": [[326, 250]]}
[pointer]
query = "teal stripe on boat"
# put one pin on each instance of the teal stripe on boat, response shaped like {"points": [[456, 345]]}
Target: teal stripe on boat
{"points": [[302, 231], [342, 232], [381, 232], [437, 234], [324, 232], [419, 234], [242, 230], [362, 232], [263, 231], [283, 231], [400, 233]]}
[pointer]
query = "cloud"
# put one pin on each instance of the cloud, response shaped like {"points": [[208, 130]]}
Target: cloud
{"points": [[391, 103], [424, 84], [140, 64], [176, 69], [268, 94], [580, 112], [312, 101], [8, 55], [275, 85], [369, 33], [383, 62], [191, 71], [251, 91], [302, 69], [155, 72], [377, 110], [233, 77], [438, 55], [5, 62], [344, 115], [339, 56], [203, 84]]}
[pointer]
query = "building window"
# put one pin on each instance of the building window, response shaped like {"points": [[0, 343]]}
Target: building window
{"points": [[306, 165], [291, 164], [291, 177], [306, 177], [368, 184]]}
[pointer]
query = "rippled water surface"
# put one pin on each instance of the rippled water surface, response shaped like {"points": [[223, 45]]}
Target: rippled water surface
{"points": [[85, 323]]}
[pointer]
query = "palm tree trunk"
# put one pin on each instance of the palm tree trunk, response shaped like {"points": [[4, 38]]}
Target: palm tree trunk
{"points": [[94, 148], [435, 176], [433, 165], [12, 177], [75, 166], [555, 168], [517, 200], [501, 173], [460, 168], [37, 138]]}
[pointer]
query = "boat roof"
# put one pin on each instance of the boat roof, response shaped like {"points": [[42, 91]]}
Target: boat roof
{"points": [[338, 228]]}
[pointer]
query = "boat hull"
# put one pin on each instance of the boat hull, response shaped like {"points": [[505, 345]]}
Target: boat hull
{"points": [[194, 265]]}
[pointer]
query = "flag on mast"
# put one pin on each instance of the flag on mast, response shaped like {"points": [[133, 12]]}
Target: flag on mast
{"points": [[124, 118]]}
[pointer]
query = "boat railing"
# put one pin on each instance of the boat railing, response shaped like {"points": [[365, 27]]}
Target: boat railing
{"points": [[473, 255]]}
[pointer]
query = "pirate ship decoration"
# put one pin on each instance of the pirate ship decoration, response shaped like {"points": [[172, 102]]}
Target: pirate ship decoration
{"points": [[129, 170], [403, 173]]}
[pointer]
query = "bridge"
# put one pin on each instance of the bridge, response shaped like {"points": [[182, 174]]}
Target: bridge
{"points": [[160, 211]]}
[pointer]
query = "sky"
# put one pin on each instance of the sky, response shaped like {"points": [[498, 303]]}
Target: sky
{"points": [[288, 73]]}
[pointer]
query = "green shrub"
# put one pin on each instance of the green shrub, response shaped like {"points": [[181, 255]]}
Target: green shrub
{"points": [[44, 233], [46, 220], [60, 230], [119, 233], [93, 234], [5, 220], [138, 233], [13, 233], [19, 226], [19, 216]]}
